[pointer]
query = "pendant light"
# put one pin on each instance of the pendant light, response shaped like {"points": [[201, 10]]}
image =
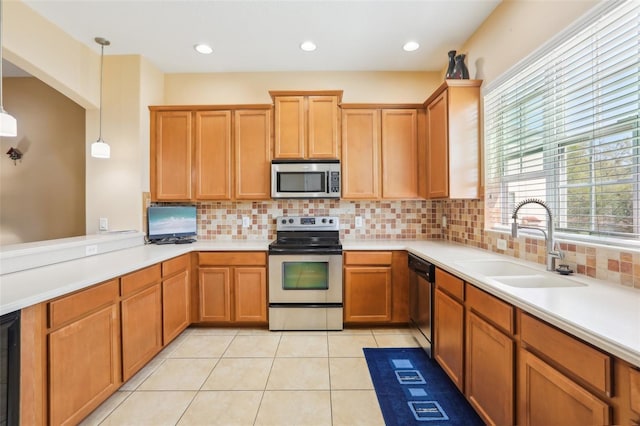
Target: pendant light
{"points": [[8, 124], [101, 149]]}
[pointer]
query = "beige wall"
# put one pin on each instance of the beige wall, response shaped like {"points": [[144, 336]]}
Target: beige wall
{"points": [[247, 88], [42, 196], [115, 186]]}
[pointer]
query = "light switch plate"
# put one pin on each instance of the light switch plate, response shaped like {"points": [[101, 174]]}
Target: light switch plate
{"points": [[444, 221], [246, 222], [502, 244], [104, 224], [358, 221]]}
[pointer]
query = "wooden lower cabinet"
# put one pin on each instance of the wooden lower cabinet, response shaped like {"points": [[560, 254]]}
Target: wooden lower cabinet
{"points": [[233, 288], [141, 329], [489, 380], [250, 294], [546, 397], [175, 306], [176, 296], [367, 294], [376, 287], [448, 329], [83, 360]]}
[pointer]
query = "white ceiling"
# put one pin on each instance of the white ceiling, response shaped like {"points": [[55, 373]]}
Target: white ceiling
{"points": [[264, 35]]}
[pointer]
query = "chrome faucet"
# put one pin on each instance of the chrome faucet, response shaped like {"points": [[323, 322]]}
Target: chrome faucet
{"points": [[552, 253]]}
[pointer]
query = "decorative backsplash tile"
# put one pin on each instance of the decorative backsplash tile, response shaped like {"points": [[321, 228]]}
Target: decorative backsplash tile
{"points": [[412, 219]]}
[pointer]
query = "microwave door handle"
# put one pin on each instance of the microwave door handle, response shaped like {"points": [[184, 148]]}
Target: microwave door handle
{"points": [[328, 187]]}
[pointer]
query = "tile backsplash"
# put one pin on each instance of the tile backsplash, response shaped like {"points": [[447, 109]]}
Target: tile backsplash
{"points": [[412, 219]]}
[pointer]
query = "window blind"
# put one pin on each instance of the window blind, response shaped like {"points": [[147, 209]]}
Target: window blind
{"points": [[564, 126]]}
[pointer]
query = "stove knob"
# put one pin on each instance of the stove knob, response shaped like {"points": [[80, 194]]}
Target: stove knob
{"points": [[284, 221], [331, 221], [290, 220], [324, 220]]}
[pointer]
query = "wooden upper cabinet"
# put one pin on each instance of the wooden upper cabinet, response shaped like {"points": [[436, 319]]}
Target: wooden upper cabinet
{"points": [[252, 142], [171, 153], [399, 153], [453, 140], [213, 155], [307, 125], [210, 152], [360, 154], [290, 127], [324, 127]]}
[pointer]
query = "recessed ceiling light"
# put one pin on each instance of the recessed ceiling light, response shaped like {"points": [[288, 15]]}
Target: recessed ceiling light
{"points": [[308, 46], [410, 46], [205, 49]]}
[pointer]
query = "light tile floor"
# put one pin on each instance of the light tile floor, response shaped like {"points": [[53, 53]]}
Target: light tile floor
{"points": [[221, 376]]}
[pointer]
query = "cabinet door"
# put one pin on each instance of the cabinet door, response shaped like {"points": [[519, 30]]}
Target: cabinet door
{"points": [[323, 131], [215, 294], [367, 294], [84, 365], [175, 306], [290, 127], [141, 329], [213, 155], [171, 152], [489, 382], [252, 142], [438, 148], [399, 153], [360, 154], [547, 397], [250, 294], [449, 336]]}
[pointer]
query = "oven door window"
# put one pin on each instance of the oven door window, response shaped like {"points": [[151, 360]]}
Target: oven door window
{"points": [[305, 275], [302, 182]]}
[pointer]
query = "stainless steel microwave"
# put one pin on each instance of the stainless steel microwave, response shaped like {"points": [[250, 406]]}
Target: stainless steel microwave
{"points": [[305, 179]]}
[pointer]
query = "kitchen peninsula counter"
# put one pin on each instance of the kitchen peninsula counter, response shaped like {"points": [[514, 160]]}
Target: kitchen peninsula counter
{"points": [[603, 314]]}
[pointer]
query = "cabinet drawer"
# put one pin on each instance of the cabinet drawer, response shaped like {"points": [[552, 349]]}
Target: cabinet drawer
{"points": [[367, 258], [449, 283], [634, 382], [585, 362], [79, 304], [492, 308], [177, 264], [136, 280], [239, 258]]}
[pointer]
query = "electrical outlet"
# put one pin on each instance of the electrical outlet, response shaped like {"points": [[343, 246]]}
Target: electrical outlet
{"points": [[502, 244], [246, 222], [358, 221], [104, 224], [444, 221], [91, 250]]}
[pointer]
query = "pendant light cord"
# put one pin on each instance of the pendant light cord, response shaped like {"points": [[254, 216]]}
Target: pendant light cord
{"points": [[101, 72]]}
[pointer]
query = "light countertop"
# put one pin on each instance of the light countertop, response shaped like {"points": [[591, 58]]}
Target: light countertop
{"points": [[603, 314]]}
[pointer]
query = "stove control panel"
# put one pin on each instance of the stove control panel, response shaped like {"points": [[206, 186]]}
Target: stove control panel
{"points": [[308, 223]]}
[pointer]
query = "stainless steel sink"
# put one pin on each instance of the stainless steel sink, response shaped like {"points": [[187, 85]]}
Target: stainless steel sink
{"points": [[516, 275]]}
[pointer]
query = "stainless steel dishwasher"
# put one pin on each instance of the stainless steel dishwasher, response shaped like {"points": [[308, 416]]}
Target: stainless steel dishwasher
{"points": [[421, 279]]}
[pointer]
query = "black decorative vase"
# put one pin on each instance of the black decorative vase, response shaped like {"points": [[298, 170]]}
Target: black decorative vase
{"points": [[460, 70], [452, 63]]}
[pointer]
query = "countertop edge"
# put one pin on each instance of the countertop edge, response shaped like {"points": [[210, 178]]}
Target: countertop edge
{"points": [[76, 275]]}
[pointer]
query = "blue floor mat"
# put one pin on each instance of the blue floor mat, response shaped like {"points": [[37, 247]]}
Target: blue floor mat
{"points": [[412, 389]]}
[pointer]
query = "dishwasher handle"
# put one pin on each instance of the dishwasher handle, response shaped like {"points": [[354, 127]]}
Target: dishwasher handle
{"points": [[423, 268]]}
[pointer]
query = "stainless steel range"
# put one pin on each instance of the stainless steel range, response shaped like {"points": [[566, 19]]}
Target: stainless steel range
{"points": [[305, 274]]}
